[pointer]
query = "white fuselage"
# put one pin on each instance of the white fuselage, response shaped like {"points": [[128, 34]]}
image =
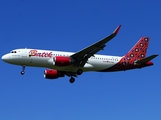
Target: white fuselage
{"points": [[44, 58]]}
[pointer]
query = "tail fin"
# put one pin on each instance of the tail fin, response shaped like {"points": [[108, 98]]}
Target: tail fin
{"points": [[136, 57], [139, 50]]}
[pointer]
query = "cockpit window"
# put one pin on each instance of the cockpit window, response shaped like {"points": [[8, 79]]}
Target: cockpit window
{"points": [[13, 52]]}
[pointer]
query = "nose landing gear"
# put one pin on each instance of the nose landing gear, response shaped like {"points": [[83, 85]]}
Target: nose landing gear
{"points": [[23, 70]]}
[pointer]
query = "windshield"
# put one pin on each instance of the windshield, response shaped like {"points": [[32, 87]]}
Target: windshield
{"points": [[13, 51]]}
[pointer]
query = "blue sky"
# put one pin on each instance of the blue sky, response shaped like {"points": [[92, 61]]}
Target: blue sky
{"points": [[70, 26]]}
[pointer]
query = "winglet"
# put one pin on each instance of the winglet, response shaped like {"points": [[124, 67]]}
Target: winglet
{"points": [[117, 30]]}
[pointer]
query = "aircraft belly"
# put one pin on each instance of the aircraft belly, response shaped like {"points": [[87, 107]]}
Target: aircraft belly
{"points": [[90, 66]]}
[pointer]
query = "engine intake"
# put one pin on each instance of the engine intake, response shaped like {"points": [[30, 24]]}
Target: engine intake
{"points": [[53, 74]]}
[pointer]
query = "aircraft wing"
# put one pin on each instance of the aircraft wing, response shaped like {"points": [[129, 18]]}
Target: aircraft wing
{"points": [[81, 57]]}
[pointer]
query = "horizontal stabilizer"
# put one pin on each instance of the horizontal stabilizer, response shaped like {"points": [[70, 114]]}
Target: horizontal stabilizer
{"points": [[147, 59]]}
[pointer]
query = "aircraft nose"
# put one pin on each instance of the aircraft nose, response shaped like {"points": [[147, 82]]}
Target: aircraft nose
{"points": [[5, 58]]}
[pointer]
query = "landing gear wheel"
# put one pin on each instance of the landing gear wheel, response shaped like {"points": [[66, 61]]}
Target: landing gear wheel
{"points": [[72, 80], [22, 73], [23, 70], [79, 72]]}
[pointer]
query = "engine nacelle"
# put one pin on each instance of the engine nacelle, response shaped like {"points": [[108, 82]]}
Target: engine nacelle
{"points": [[53, 74], [62, 61]]}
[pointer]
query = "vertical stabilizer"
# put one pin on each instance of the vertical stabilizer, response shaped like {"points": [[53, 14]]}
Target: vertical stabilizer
{"points": [[137, 53], [139, 50]]}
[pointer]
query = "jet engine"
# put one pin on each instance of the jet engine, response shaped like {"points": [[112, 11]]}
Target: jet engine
{"points": [[62, 61], [53, 74]]}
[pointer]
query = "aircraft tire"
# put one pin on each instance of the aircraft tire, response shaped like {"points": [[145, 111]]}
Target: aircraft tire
{"points": [[79, 72], [72, 80], [22, 73]]}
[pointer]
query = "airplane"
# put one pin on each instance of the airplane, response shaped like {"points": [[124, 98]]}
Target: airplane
{"points": [[71, 64]]}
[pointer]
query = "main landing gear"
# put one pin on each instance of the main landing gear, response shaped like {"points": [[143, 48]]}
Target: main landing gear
{"points": [[72, 79], [23, 70], [79, 72]]}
